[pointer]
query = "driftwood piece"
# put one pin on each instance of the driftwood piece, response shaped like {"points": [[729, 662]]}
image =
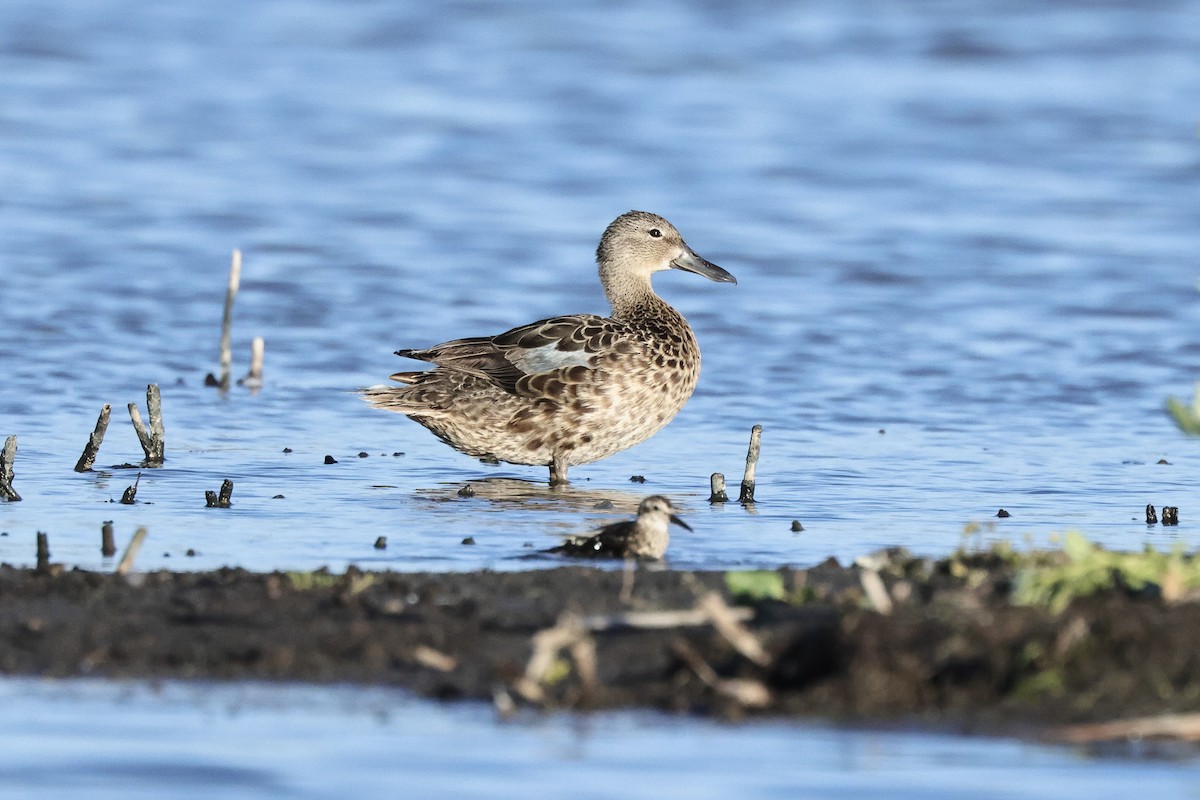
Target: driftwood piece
{"points": [[152, 439], [94, 441], [8, 454], [747, 493]]}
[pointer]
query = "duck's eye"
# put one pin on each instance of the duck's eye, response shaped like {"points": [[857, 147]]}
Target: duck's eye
{"points": [[655, 233]]}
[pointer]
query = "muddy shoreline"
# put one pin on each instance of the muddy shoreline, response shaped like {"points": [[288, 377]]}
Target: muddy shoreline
{"points": [[938, 642]]}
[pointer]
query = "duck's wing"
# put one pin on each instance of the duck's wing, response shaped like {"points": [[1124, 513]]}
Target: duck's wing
{"points": [[559, 348]]}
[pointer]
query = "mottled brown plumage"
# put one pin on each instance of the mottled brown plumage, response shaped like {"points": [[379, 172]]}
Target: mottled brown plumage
{"points": [[568, 390], [644, 537]]}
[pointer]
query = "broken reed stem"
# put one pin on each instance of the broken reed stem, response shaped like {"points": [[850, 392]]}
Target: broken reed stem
{"points": [[107, 547], [253, 378], [153, 440], [143, 433], [747, 493], [8, 454], [43, 552], [235, 279], [716, 482], [94, 441], [222, 500], [131, 551], [127, 497], [154, 407]]}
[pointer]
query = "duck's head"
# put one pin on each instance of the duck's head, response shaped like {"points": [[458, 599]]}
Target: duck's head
{"points": [[638, 244]]}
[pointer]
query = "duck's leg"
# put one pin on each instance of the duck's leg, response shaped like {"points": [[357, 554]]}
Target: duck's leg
{"points": [[558, 472]]}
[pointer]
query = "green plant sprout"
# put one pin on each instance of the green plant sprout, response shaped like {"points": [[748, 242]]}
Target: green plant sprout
{"points": [[1088, 569], [1187, 418]]}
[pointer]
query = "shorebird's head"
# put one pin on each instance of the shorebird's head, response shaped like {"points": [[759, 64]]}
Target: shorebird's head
{"points": [[638, 244], [657, 507]]}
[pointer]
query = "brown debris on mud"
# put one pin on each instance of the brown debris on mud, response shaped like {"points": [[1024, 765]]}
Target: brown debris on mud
{"points": [[951, 647]]}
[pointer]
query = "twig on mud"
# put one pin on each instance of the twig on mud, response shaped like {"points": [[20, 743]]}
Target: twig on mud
{"points": [[716, 482], [658, 620], [107, 547], [226, 358], [1164, 726], [731, 628], [747, 493], [876, 592], [747, 693], [153, 441], [727, 620], [568, 633], [84, 464], [131, 551], [583, 653], [434, 659], [8, 454]]}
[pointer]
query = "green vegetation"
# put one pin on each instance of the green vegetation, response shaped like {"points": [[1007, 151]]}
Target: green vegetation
{"points": [[1186, 417], [320, 579], [750, 586], [1086, 569]]}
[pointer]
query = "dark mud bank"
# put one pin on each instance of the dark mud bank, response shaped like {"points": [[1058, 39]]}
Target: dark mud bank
{"points": [[940, 641]]}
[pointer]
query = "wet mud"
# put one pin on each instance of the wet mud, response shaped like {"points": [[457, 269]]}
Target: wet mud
{"points": [[907, 640]]}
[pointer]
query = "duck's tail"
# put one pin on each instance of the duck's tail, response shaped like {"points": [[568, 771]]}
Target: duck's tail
{"points": [[402, 400]]}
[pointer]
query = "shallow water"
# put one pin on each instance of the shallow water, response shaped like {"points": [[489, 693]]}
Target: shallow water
{"points": [[972, 227], [965, 236], [191, 740]]}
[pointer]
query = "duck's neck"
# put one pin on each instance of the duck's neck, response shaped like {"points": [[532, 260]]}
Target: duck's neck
{"points": [[632, 297]]}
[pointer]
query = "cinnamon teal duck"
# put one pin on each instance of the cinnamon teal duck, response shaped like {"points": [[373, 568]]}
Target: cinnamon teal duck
{"points": [[644, 537], [574, 389]]}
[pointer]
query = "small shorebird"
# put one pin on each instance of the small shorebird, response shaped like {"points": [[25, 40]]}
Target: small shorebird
{"points": [[644, 537], [574, 389]]}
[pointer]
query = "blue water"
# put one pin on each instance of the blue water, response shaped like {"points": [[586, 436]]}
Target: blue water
{"points": [[202, 740], [972, 226], [965, 234]]}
